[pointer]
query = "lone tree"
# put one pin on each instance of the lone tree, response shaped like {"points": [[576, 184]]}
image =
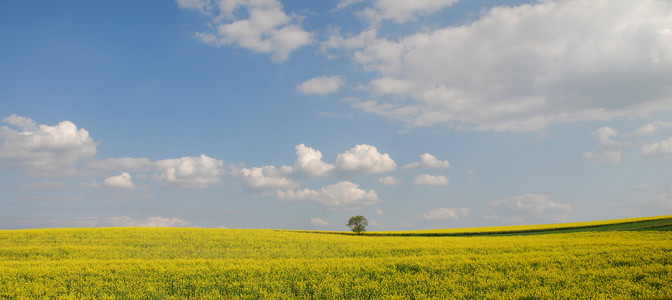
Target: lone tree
{"points": [[358, 224]]}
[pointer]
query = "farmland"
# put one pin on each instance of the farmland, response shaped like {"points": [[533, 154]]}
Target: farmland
{"points": [[631, 260]]}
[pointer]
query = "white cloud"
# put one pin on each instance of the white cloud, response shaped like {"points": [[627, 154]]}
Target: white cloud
{"points": [[642, 186], [389, 180], [658, 149], [645, 129], [380, 212], [525, 67], [605, 138], [319, 222], [343, 195], [309, 162], [364, 159], [401, 11], [428, 161], [532, 203], [201, 5], [443, 213], [190, 171], [337, 41], [23, 123], [266, 29], [648, 128], [121, 181], [45, 150], [604, 135], [321, 85], [361, 159], [345, 3], [426, 179], [608, 150], [603, 157], [266, 177]]}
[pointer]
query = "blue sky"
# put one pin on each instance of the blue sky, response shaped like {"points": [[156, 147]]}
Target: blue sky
{"points": [[300, 114]]}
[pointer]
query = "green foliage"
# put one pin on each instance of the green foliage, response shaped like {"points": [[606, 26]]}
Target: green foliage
{"points": [[358, 224]]}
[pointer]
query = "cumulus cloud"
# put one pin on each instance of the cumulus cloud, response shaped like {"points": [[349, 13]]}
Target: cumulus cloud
{"points": [[266, 177], [605, 138], [318, 222], [44, 150], [401, 11], [522, 68], [428, 161], [608, 150], [364, 159], [389, 180], [309, 162], [263, 27], [444, 213], [658, 149], [426, 179], [23, 123], [190, 171], [321, 85], [531, 203], [120, 181], [340, 196]]}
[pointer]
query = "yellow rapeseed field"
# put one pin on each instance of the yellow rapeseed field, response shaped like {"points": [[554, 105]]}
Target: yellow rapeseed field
{"points": [[522, 228], [191, 263]]}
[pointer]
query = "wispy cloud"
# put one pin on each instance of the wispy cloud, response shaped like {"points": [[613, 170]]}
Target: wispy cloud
{"points": [[321, 85], [427, 179], [444, 213], [264, 27], [658, 149]]}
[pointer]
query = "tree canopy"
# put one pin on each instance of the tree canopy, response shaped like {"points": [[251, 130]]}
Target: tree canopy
{"points": [[358, 224]]}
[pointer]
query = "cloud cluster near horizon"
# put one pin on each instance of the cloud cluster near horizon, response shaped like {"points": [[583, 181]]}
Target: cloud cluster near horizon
{"points": [[64, 149], [34, 148]]}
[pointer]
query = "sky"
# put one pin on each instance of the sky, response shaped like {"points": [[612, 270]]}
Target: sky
{"points": [[290, 114]]}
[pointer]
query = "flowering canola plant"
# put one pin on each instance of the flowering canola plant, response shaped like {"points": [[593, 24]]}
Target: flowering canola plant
{"points": [[192, 263]]}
